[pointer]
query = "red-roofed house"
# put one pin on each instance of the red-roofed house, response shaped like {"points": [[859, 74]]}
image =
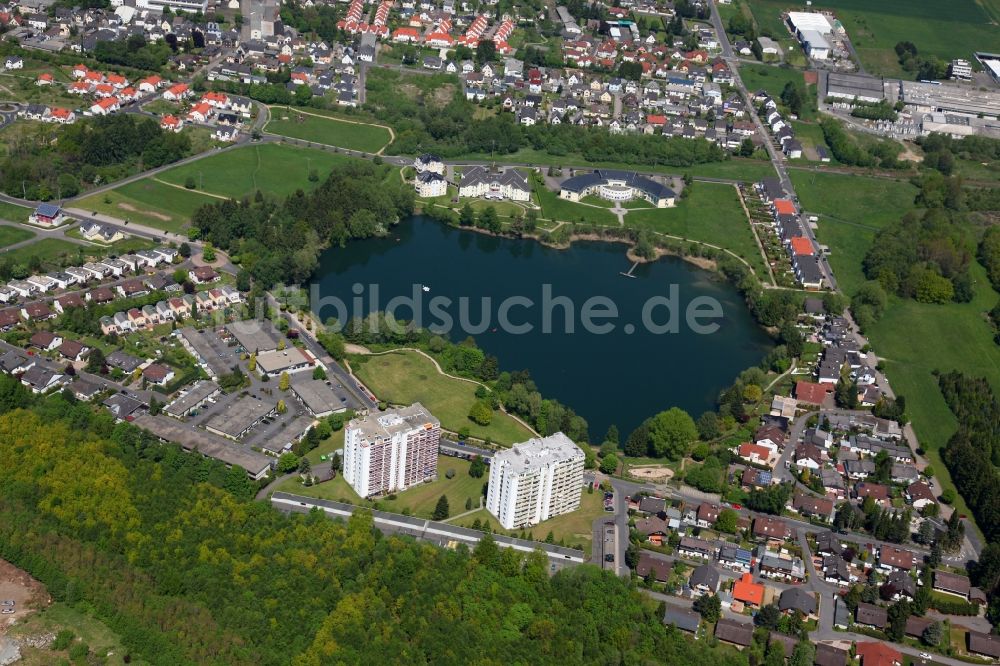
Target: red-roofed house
{"points": [[80, 71], [117, 80], [877, 653], [44, 79], [172, 123], [755, 453], [659, 121], [105, 106], [176, 92], [216, 99], [150, 83], [200, 112], [811, 392], [57, 114], [748, 592], [406, 35], [784, 207]]}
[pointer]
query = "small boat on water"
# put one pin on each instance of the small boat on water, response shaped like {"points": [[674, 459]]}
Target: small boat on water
{"points": [[426, 288]]}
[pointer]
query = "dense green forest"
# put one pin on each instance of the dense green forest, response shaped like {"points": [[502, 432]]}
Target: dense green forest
{"points": [[281, 241], [60, 161], [172, 553], [973, 458]]}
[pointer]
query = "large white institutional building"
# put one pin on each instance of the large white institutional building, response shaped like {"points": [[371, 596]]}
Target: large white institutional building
{"points": [[391, 451], [535, 481]]}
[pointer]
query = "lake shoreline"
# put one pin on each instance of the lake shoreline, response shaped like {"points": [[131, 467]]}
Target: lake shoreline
{"points": [[703, 263], [482, 272]]}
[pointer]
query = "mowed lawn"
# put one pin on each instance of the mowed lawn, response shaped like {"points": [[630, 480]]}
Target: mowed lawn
{"points": [[13, 212], [149, 202], [406, 377], [916, 339], [51, 251], [711, 213], [420, 500], [575, 529], [11, 235], [273, 169], [947, 30], [563, 210], [332, 131]]}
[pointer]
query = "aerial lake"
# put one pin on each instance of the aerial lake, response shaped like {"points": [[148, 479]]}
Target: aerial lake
{"points": [[621, 376]]}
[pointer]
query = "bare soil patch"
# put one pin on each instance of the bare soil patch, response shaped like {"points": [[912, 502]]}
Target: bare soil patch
{"points": [[27, 594], [652, 473]]}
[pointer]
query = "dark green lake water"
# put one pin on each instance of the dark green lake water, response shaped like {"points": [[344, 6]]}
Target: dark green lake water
{"points": [[617, 377]]}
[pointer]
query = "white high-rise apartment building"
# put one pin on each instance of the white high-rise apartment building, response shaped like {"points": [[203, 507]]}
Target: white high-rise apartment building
{"points": [[535, 481], [391, 451]]}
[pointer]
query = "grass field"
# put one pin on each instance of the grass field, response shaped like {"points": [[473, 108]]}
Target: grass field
{"points": [[555, 208], [331, 131], [421, 500], [851, 209], [406, 377], [952, 30], [711, 213], [11, 235], [51, 250], [874, 202], [848, 245], [149, 202], [418, 501], [572, 529], [774, 79], [13, 212], [915, 339], [274, 169]]}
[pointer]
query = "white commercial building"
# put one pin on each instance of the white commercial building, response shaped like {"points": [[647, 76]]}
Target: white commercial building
{"points": [[391, 451], [535, 481]]}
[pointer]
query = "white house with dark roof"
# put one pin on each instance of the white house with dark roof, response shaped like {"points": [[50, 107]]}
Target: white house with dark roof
{"points": [[494, 183]]}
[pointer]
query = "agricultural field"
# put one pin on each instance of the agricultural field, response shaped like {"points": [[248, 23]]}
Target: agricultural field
{"points": [[952, 30], [712, 214], [149, 202], [406, 377], [332, 131]]}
